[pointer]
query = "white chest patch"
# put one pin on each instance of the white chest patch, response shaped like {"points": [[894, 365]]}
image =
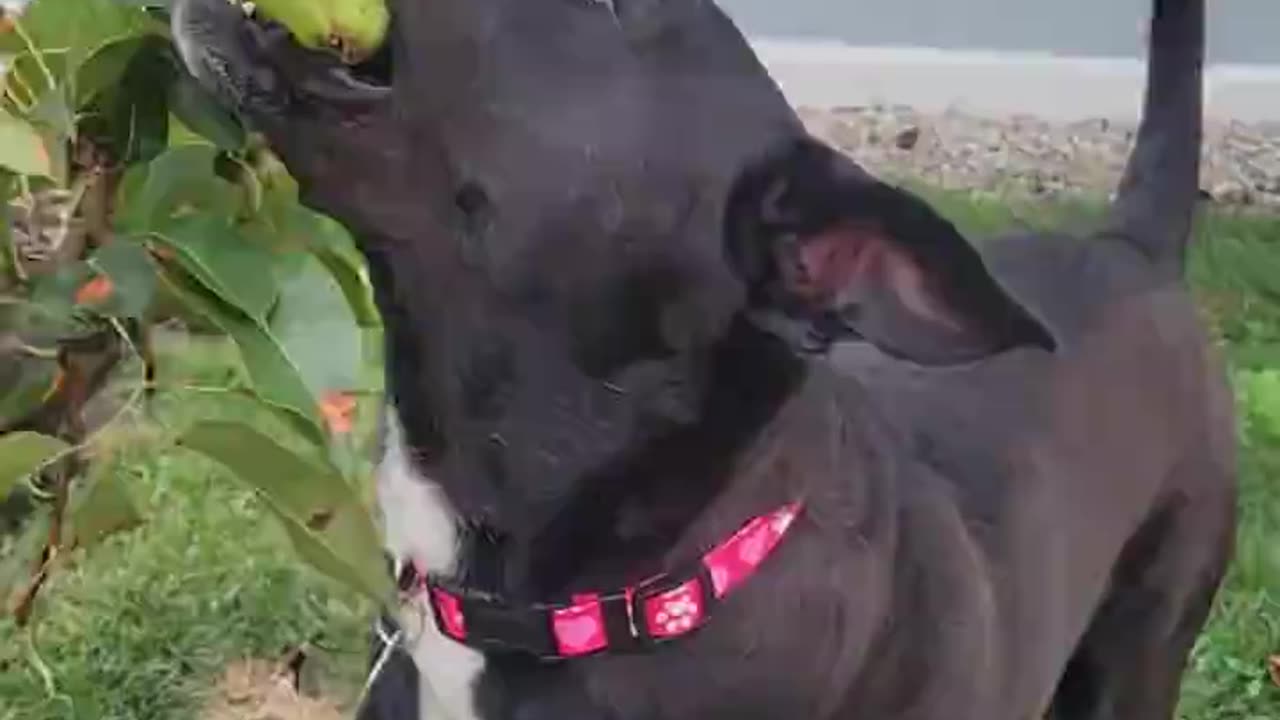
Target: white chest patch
{"points": [[420, 525]]}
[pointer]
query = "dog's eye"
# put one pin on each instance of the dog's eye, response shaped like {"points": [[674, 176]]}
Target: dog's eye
{"points": [[624, 323], [475, 211]]}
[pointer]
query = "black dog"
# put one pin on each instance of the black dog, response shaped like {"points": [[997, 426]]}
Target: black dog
{"points": [[716, 425]]}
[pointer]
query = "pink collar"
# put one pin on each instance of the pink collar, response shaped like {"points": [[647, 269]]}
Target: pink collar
{"points": [[660, 609]]}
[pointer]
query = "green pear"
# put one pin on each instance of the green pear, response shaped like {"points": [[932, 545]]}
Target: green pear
{"points": [[355, 29]]}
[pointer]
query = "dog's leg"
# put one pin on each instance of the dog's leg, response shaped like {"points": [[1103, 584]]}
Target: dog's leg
{"points": [[1130, 662]]}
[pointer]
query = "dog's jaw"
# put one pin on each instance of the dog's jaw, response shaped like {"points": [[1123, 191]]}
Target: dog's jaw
{"points": [[420, 526]]}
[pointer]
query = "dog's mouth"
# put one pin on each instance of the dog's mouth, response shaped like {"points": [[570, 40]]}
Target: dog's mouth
{"points": [[339, 68], [247, 56], [374, 72]]}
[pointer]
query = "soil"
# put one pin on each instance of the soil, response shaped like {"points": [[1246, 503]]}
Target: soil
{"points": [[260, 690]]}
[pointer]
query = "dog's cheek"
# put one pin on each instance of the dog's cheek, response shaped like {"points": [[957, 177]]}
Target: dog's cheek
{"points": [[213, 43]]}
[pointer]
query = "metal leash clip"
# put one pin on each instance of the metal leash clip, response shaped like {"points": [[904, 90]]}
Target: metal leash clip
{"points": [[388, 643]]}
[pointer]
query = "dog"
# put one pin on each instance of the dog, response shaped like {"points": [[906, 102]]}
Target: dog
{"points": [[690, 416]]}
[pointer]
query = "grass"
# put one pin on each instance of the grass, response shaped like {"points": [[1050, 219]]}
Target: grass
{"points": [[1235, 272], [139, 628]]}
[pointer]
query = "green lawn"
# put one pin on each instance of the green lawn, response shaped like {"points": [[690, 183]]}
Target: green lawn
{"points": [[139, 628]]}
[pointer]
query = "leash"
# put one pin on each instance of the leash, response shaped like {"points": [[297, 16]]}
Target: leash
{"points": [[388, 645]]}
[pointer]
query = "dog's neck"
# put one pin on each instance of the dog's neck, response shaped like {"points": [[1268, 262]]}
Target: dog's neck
{"points": [[624, 522]]}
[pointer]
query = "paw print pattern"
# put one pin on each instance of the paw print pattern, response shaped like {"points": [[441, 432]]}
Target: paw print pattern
{"points": [[580, 629], [733, 562], [676, 611]]}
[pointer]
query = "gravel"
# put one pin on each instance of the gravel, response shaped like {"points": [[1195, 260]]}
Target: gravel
{"points": [[1030, 155]]}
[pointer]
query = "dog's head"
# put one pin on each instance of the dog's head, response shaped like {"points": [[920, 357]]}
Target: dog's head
{"points": [[566, 204]]}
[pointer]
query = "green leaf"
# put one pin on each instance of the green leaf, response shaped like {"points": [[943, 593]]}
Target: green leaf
{"points": [[297, 485], [59, 148], [314, 325], [22, 150], [105, 509], [226, 263], [132, 117], [106, 65], [75, 27], [324, 550], [23, 557], [53, 305], [333, 246], [22, 453], [53, 113], [285, 224], [178, 183], [201, 113], [274, 377], [280, 220], [24, 382], [133, 275], [25, 74], [8, 252], [329, 525]]}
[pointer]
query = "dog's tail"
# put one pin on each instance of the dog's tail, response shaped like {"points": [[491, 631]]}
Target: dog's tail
{"points": [[1157, 196]]}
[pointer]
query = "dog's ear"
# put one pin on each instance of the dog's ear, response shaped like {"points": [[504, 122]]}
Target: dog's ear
{"points": [[821, 241]]}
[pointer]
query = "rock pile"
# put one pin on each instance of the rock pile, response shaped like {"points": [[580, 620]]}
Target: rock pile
{"points": [[1031, 155]]}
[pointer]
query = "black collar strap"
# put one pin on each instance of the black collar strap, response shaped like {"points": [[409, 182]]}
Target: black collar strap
{"points": [[657, 610]]}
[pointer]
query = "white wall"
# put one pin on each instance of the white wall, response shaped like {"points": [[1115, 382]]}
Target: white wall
{"points": [[831, 74], [1240, 31]]}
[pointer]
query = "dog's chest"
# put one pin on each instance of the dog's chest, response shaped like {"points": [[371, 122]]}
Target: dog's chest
{"points": [[420, 526]]}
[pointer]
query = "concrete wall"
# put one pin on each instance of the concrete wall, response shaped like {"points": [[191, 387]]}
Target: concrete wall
{"points": [[1240, 31], [1062, 88]]}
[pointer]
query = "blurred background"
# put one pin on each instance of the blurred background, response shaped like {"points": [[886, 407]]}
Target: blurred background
{"points": [[1241, 31]]}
